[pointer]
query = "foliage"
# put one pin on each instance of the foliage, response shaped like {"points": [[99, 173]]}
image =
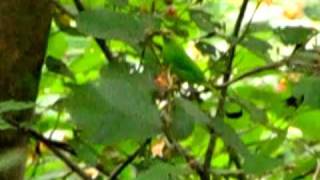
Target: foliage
{"points": [[183, 95]]}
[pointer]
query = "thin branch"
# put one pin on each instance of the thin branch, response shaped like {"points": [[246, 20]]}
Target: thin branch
{"points": [[59, 145], [209, 152], [117, 171], [101, 42], [74, 167], [226, 77], [54, 147], [255, 71]]}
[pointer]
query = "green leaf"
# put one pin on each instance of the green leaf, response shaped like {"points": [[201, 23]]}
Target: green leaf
{"points": [[12, 105], [184, 115], [257, 46], [230, 137], [119, 3], [160, 171], [85, 151], [203, 20], [304, 164], [4, 124], [57, 45], [273, 144], [308, 122], [307, 87], [258, 164], [313, 11], [256, 114], [92, 59], [117, 107], [114, 25], [295, 35], [246, 60]]}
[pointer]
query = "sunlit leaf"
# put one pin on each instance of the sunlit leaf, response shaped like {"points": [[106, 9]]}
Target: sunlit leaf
{"points": [[309, 124], [295, 35], [259, 164]]}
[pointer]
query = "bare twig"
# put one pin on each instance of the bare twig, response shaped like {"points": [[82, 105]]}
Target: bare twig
{"points": [[73, 166], [255, 71], [226, 77], [59, 145], [54, 147], [114, 174], [101, 42]]}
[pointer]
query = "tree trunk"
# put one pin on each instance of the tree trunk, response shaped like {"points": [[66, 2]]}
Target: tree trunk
{"points": [[24, 27]]}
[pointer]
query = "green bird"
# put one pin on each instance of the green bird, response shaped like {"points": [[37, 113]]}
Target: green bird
{"points": [[180, 63]]}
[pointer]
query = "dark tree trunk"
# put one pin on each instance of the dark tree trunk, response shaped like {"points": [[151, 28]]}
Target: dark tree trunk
{"points": [[24, 26]]}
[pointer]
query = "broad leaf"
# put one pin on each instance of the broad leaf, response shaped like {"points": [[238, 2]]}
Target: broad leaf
{"points": [[259, 164], [184, 115], [114, 25], [203, 20], [12, 105], [230, 137], [117, 107], [307, 87], [256, 114], [160, 171], [295, 35], [309, 124], [257, 46], [313, 11]]}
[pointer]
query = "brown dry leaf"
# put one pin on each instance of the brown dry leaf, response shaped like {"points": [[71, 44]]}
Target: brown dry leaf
{"points": [[162, 81]]}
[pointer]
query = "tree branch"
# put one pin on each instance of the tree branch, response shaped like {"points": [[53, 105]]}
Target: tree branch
{"points": [[255, 71], [74, 167], [60, 145], [101, 42], [226, 77], [54, 146], [114, 174]]}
